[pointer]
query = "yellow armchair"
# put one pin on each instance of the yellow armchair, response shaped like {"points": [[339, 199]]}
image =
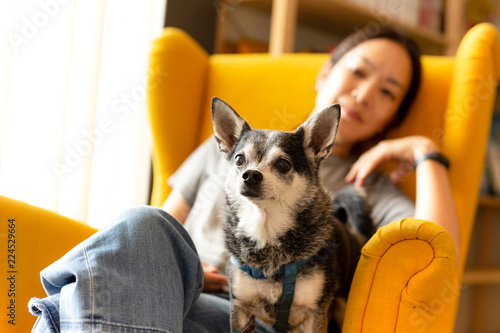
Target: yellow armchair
{"points": [[406, 279]]}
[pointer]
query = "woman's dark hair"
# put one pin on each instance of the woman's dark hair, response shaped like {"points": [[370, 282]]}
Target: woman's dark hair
{"points": [[411, 47]]}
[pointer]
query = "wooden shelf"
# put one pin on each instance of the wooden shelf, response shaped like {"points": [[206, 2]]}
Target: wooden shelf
{"points": [[487, 275], [489, 201], [481, 276], [341, 17]]}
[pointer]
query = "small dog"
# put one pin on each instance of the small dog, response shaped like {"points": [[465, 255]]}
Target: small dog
{"points": [[290, 256]]}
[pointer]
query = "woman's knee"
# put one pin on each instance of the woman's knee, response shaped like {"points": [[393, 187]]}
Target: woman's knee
{"points": [[151, 230], [147, 221]]}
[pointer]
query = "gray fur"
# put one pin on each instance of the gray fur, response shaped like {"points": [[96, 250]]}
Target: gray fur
{"points": [[278, 212]]}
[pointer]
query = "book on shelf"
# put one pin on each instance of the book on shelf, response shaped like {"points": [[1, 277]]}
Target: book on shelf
{"points": [[417, 13]]}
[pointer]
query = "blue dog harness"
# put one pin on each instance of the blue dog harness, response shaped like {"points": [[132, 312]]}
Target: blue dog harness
{"points": [[289, 272]]}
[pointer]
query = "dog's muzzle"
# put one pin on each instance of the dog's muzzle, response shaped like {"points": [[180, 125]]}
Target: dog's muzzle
{"points": [[252, 181]]}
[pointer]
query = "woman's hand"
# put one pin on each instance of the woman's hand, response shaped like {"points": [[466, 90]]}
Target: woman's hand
{"points": [[404, 150], [434, 199], [213, 281]]}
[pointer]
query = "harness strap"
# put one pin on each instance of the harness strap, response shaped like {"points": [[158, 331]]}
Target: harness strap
{"points": [[289, 280], [254, 272], [289, 272]]}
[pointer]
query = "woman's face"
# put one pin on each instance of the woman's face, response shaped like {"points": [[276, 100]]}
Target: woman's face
{"points": [[369, 82]]}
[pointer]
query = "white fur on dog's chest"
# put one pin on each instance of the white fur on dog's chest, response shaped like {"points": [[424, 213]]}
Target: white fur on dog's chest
{"points": [[264, 225], [308, 291]]}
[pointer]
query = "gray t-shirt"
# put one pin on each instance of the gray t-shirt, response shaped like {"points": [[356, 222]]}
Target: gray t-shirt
{"points": [[200, 180]]}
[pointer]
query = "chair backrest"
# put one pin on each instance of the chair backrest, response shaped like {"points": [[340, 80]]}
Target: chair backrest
{"points": [[278, 93], [453, 106]]}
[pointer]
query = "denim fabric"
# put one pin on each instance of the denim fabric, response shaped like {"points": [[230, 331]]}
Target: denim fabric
{"points": [[140, 274], [48, 311]]}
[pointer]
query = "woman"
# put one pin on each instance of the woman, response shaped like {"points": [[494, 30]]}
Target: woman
{"points": [[143, 273], [373, 99]]}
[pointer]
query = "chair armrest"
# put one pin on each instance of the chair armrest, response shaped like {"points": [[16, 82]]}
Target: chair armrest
{"points": [[404, 281], [39, 237]]}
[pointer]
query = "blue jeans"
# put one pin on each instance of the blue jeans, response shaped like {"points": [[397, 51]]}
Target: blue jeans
{"points": [[140, 274]]}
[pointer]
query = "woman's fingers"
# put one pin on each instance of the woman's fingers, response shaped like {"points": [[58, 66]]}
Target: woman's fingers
{"points": [[366, 164], [213, 281], [404, 150]]}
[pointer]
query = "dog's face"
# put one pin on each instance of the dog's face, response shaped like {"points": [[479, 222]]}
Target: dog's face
{"points": [[271, 166], [267, 166]]}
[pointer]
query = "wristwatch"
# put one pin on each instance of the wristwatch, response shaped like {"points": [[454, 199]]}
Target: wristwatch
{"points": [[433, 156]]}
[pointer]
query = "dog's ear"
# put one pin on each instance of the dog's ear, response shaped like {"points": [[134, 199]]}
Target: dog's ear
{"points": [[228, 125], [320, 131]]}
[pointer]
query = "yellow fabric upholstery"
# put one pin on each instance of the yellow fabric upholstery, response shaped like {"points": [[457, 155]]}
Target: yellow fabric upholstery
{"points": [[41, 237], [406, 279]]}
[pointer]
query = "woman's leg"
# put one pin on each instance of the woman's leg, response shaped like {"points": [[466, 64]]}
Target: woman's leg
{"points": [[141, 274]]}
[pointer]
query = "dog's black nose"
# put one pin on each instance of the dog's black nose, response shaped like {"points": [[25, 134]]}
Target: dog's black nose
{"points": [[252, 177]]}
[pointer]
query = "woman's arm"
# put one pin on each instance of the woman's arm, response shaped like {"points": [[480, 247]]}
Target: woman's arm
{"points": [[176, 206], [434, 201]]}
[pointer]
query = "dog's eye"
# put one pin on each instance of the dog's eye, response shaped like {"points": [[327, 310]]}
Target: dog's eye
{"points": [[239, 160], [283, 166]]}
